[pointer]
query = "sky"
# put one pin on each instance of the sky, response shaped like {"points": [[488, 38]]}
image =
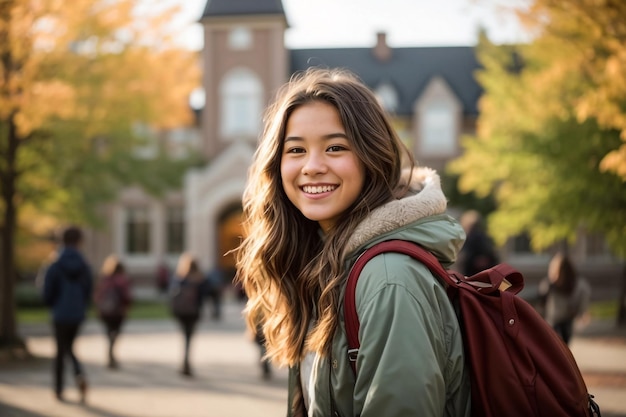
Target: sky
{"points": [[354, 23]]}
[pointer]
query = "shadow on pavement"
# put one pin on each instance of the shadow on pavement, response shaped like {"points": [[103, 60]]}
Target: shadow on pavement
{"points": [[218, 378], [100, 412], [11, 411]]}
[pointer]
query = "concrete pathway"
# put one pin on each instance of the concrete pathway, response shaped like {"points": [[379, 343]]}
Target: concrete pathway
{"points": [[228, 380], [600, 351]]}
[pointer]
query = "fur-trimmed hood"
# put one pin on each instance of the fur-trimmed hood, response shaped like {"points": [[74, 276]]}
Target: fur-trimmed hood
{"points": [[411, 218]]}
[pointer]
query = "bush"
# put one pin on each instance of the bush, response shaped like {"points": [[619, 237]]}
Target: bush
{"points": [[28, 296]]}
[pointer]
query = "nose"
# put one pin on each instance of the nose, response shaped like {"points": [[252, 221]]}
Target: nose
{"points": [[314, 164]]}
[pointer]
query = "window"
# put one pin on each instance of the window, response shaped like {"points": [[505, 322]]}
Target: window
{"points": [[175, 230], [137, 231], [438, 130], [240, 38], [387, 96], [241, 97]]}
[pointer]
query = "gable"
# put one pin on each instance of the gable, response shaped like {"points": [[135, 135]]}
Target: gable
{"points": [[409, 70]]}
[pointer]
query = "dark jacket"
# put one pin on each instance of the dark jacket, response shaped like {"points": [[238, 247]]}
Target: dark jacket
{"points": [[67, 286], [478, 253]]}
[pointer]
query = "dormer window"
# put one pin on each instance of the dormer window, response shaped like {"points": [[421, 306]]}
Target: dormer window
{"points": [[240, 38], [438, 115], [438, 130], [387, 96]]}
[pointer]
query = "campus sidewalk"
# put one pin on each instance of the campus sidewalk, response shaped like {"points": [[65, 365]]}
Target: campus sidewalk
{"points": [[600, 351], [228, 380]]}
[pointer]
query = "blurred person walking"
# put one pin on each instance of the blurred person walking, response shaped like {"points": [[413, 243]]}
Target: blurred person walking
{"points": [[67, 291], [264, 361], [162, 277], [563, 296], [188, 288], [215, 290], [478, 252], [113, 299]]}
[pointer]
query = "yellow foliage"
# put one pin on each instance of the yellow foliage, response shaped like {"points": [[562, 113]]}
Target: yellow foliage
{"points": [[588, 38], [104, 65], [42, 101], [55, 49], [34, 244], [615, 161]]}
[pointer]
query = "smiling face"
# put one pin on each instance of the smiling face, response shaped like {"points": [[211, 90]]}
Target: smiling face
{"points": [[320, 172]]}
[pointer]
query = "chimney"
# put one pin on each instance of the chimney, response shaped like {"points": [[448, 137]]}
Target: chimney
{"points": [[382, 51]]}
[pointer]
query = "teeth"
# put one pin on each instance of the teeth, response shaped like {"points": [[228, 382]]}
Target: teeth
{"points": [[318, 189]]}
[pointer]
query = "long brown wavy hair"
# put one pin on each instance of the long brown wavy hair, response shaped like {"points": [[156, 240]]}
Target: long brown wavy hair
{"points": [[562, 274], [292, 275]]}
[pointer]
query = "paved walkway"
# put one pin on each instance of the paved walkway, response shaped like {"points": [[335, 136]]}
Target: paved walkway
{"points": [[227, 381], [600, 351]]}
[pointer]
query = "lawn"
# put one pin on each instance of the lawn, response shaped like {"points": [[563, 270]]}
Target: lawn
{"points": [[603, 310], [30, 307], [139, 310], [143, 309]]}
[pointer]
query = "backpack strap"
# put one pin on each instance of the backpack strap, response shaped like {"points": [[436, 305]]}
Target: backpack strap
{"points": [[502, 277], [351, 318]]}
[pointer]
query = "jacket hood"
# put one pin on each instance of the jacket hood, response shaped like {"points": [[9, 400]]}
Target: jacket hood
{"points": [[419, 217], [71, 263]]}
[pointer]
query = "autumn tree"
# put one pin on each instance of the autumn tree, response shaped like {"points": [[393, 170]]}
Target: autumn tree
{"points": [[82, 88], [550, 137]]}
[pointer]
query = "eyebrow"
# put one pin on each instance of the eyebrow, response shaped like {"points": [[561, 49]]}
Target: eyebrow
{"points": [[325, 137]]}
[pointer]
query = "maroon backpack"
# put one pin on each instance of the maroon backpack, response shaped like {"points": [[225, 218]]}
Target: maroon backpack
{"points": [[518, 365]]}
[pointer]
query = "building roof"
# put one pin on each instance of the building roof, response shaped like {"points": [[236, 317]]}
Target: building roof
{"points": [[408, 70], [223, 8]]}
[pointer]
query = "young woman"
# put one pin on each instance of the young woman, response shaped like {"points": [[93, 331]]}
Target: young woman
{"points": [[327, 182], [187, 291], [113, 299], [564, 296]]}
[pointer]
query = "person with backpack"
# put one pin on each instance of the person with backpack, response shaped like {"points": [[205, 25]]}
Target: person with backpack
{"points": [[563, 296], [329, 179], [67, 291], [113, 299], [187, 290]]}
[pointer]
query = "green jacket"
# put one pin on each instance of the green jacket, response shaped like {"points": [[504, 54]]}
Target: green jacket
{"points": [[411, 358]]}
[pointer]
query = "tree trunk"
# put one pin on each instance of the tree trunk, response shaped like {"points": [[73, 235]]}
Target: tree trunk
{"points": [[9, 337], [621, 309]]}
